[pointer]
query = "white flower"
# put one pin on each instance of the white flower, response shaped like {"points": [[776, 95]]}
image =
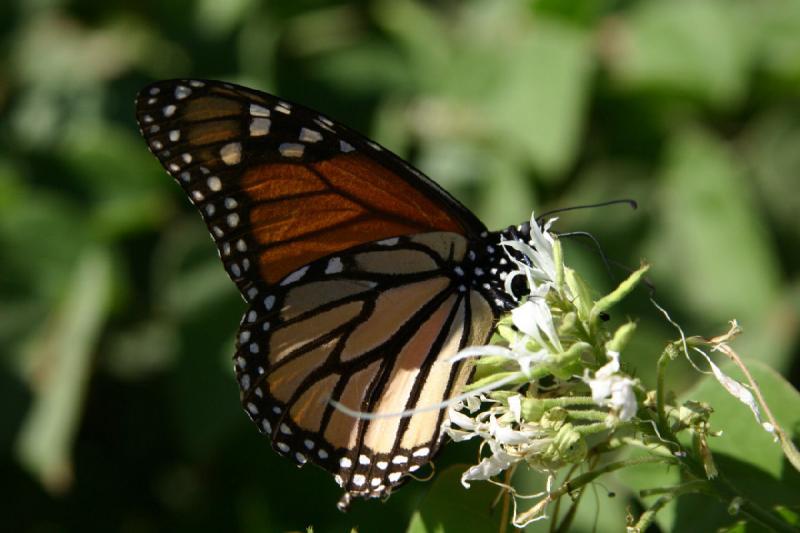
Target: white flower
{"points": [[489, 466], [613, 390], [541, 270], [534, 318]]}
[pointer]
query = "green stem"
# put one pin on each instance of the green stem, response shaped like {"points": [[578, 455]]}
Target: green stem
{"points": [[666, 356], [585, 479], [669, 494], [724, 491]]}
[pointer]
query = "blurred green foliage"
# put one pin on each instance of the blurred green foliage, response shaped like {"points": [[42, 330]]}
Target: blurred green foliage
{"points": [[116, 322]]}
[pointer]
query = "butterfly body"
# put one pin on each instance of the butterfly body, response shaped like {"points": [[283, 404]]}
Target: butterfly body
{"points": [[362, 276]]}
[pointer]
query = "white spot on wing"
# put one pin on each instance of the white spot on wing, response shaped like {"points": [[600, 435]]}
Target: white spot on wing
{"points": [[359, 480], [231, 153], [422, 452], [258, 110], [324, 123], [181, 92], [395, 476], [291, 149], [214, 183], [169, 110], [294, 276], [269, 301], [309, 136], [334, 265], [345, 146], [260, 126], [344, 462]]}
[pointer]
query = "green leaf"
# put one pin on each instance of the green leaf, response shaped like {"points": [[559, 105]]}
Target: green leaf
{"points": [[743, 439], [61, 356], [538, 106], [780, 47], [745, 454], [711, 249], [701, 47], [770, 145], [450, 507]]}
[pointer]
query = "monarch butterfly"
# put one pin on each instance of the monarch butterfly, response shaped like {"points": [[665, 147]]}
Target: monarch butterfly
{"points": [[363, 277]]}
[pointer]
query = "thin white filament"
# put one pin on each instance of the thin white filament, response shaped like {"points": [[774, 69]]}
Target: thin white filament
{"points": [[360, 415]]}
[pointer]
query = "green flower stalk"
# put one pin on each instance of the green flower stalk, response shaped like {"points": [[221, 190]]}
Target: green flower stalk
{"points": [[550, 391]]}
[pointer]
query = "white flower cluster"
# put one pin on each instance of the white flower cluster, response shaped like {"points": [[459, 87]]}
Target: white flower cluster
{"points": [[497, 419]]}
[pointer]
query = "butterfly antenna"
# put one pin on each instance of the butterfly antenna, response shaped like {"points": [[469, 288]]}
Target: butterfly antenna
{"points": [[609, 262], [597, 247], [629, 201]]}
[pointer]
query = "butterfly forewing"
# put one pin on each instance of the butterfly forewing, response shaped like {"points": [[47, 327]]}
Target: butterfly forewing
{"points": [[349, 328], [279, 185]]}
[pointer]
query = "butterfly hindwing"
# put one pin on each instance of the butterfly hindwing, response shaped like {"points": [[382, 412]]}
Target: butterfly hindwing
{"points": [[357, 329]]}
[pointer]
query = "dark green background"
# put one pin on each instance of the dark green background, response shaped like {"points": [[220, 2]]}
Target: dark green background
{"points": [[119, 410]]}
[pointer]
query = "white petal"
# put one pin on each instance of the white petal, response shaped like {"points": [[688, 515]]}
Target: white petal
{"points": [[488, 467], [623, 399], [515, 406], [736, 389]]}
